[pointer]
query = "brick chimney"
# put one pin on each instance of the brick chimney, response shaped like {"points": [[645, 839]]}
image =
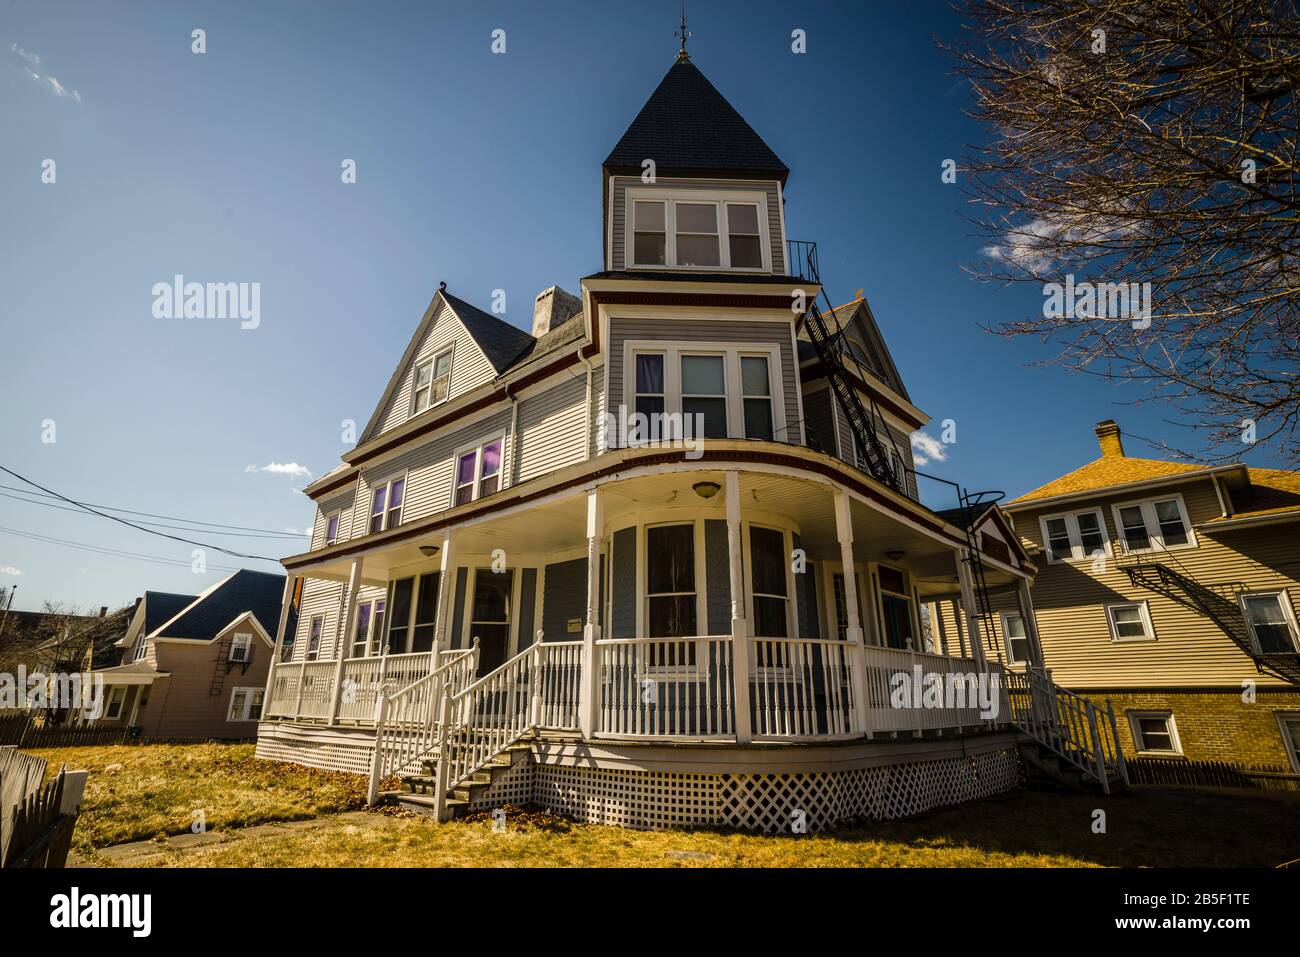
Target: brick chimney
{"points": [[1108, 437], [553, 307]]}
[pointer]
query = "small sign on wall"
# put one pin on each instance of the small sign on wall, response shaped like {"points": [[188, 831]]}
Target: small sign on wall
{"points": [[575, 625]]}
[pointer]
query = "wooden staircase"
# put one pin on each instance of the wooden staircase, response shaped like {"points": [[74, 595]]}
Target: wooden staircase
{"points": [[419, 791]]}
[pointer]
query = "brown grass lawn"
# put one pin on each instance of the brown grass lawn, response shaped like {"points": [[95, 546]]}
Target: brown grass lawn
{"points": [[159, 786]]}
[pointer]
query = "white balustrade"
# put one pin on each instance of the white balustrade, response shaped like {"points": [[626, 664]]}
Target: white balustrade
{"points": [[801, 688], [666, 687], [902, 699]]}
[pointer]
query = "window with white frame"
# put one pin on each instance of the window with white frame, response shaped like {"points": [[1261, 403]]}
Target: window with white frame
{"points": [[1289, 722], [1155, 732], [413, 615], [116, 698], [1130, 621], [141, 648], [386, 504], [478, 471], [735, 387], [245, 704], [694, 230], [314, 632], [332, 528], [1073, 535], [370, 629], [670, 581], [1271, 621], [432, 382], [1154, 524], [241, 647], [1016, 638]]}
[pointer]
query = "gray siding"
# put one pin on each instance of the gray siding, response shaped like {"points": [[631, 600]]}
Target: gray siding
{"points": [[623, 584], [527, 606], [564, 597], [458, 608], [340, 502], [618, 214], [469, 367], [704, 330], [717, 576], [819, 419], [552, 428]]}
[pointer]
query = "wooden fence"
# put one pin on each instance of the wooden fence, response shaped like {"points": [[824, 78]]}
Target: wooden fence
{"points": [[23, 730], [1167, 772], [36, 821]]}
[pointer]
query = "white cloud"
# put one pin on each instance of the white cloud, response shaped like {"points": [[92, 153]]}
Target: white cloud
{"points": [[292, 469], [925, 448], [10, 570], [30, 65]]}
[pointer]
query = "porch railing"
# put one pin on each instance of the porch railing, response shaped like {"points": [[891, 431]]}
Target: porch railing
{"points": [[893, 704], [666, 687], [363, 678], [316, 691], [801, 688]]}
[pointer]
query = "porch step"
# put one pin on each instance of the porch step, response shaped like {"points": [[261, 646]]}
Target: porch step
{"points": [[419, 790], [1044, 767]]}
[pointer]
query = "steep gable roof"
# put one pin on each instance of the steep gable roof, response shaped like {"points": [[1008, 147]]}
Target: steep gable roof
{"points": [[857, 315], [501, 342], [161, 606], [687, 126], [245, 590]]}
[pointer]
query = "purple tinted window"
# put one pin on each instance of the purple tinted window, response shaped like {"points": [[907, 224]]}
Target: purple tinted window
{"points": [[332, 529], [395, 500], [465, 470], [381, 496], [491, 459]]}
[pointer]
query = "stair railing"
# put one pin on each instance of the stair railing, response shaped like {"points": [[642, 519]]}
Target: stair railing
{"points": [[407, 721]]}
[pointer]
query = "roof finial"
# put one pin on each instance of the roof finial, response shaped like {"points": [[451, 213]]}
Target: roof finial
{"points": [[682, 55]]}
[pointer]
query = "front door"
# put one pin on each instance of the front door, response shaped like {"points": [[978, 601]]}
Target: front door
{"points": [[490, 620]]}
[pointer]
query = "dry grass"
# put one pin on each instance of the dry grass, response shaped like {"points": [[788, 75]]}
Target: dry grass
{"points": [[160, 786], [1023, 829]]}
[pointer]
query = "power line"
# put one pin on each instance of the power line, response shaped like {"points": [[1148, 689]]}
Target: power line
{"points": [[179, 528], [170, 518], [111, 552], [140, 528]]}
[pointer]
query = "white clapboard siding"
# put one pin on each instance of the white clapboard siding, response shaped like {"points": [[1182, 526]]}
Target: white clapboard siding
{"points": [[319, 597], [551, 425], [777, 240], [597, 406], [340, 502], [469, 367]]}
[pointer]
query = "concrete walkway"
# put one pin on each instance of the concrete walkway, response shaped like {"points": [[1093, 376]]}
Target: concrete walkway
{"points": [[137, 852]]}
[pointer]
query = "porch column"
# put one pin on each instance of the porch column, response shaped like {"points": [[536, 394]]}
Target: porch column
{"points": [[589, 692], [1026, 602], [741, 650], [290, 585], [446, 595], [347, 628], [853, 632], [970, 610]]}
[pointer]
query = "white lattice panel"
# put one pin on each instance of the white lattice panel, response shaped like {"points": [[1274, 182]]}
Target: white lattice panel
{"points": [[645, 800], [512, 786], [326, 755]]}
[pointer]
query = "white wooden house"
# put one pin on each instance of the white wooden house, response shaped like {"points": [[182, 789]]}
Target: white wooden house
{"points": [[507, 599]]}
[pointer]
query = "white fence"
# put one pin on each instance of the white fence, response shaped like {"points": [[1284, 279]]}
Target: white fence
{"points": [[901, 698]]}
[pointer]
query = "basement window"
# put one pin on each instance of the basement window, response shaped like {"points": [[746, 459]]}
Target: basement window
{"points": [[1154, 732]]}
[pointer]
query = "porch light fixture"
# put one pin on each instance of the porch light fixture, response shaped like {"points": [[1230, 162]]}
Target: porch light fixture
{"points": [[428, 551], [894, 556], [706, 489]]}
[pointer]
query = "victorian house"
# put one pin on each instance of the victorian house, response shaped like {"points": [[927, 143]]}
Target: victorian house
{"points": [[659, 560]]}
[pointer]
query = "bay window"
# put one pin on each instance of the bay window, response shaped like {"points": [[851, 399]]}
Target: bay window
{"points": [[704, 392], [756, 394], [1154, 524], [478, 472], [693, 229], [670, 581]]}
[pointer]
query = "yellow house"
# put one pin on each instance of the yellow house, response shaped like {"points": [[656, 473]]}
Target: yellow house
{"points": [[1170, 589]]}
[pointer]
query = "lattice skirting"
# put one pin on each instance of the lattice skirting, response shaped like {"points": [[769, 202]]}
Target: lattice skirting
{"points": [[770, 803], [329, 754]]}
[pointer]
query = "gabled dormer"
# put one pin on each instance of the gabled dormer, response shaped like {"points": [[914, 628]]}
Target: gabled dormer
{"points": [[711, 201]]}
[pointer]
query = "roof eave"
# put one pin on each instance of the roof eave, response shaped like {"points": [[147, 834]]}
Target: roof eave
{"points": [[1021, 506]]}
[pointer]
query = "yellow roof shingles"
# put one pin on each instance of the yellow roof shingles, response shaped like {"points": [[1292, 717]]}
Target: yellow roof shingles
{"points": [[1107, 471], [1271, 492]]}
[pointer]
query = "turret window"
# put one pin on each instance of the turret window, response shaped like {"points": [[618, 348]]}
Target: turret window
{"points": [[690, 229], [650, 241], [743, 238], [697, 235]]}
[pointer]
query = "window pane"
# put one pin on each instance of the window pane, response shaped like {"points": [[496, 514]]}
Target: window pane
{"points": [[767, 553], [1155, 734], [401, 614], [753, 375], [650, 374], [1058, 537], [698, 251], [651, 409], [648, 249], [465, 469], [1171, 523], [697, 218], [381, 497], [672, 617], [1128, 621], [742, 219], [1015, 626], [1269, 622], [489, 485], [703, 375], [464, 493], [332, 529], [650, 217], [444, 365], [769, 618], [1135, 529], [745, 252], [395, 496], [714, 412], [1090, 533], [1018, 649], [423, 373], [673, 565], [758, 419], [491, 459]]}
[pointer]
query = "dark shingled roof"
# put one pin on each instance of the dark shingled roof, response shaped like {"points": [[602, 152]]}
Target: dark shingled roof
{"points": [[688, 127], [258, 592], [161, 606], [501, 342]]}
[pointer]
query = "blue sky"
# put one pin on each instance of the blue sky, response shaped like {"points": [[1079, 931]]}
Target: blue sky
{"points": [[474, 168]]}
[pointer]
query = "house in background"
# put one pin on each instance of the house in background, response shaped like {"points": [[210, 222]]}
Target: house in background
{"points": [[510, 598], [194, 666], [1170, 589]]}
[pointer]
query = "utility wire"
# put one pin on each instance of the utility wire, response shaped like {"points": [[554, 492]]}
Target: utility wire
{"points": [[178, 528], [170, 518], [140, 528], [112, 552]]}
